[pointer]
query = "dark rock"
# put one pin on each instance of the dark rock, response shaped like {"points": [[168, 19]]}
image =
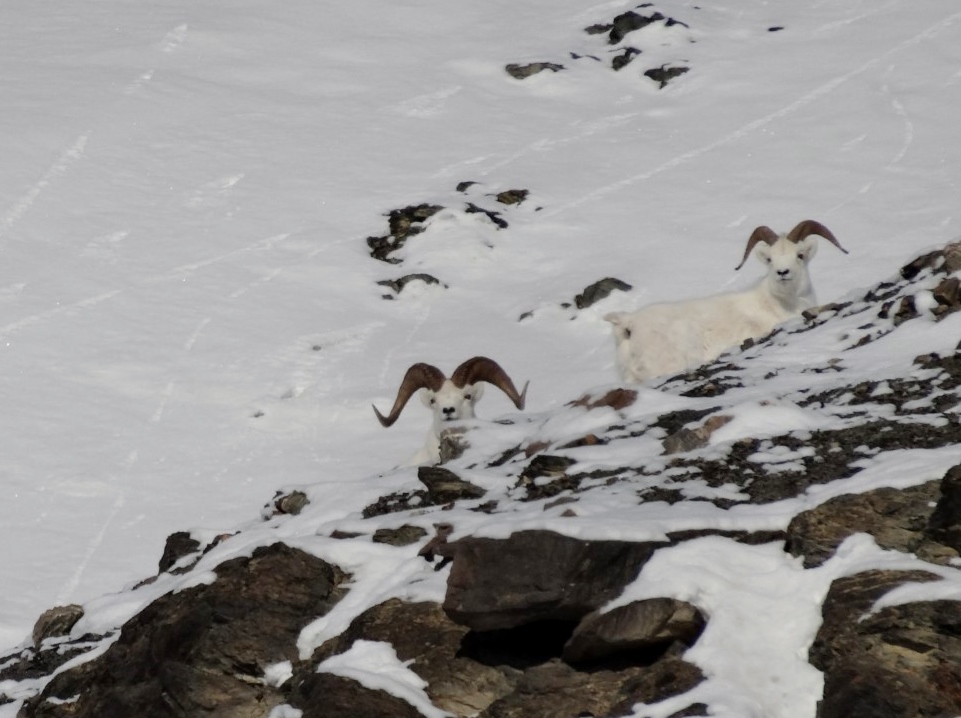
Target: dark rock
{"points": [[898, 662], [422, 633], [944, 524], [503, 673], [444, 486], [537, 576], [512, 196], [624, 58], [599, 290], [643, 626], [402, 223], [690, 439], [522, 72], [397, 285], [629, 22], [896, 518], [464, 186], [179, 545], [57, 621], [494, 217], [291, 503], [27, 664], [403, 536], [453, 443], [616, 399], [325, 695], [665, 73], [203, 650]]}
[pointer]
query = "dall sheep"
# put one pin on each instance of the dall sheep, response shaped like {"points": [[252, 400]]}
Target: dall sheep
{"points": [[669, 337], [449, 399]]}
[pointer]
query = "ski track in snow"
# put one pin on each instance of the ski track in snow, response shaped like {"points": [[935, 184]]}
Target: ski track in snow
{"points": [[70, 586], [67, 159], [751, 127], [174, 274]]}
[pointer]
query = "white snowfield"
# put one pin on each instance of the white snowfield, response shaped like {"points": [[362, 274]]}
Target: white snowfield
{"points": [[190, 320]]}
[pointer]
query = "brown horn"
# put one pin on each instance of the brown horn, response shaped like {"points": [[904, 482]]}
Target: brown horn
{"points": [[483, 369], [419, 376], [761, 234], [809, 227]]}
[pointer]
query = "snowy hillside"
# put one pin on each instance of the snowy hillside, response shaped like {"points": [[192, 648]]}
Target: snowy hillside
{"points": [[191, 318]]}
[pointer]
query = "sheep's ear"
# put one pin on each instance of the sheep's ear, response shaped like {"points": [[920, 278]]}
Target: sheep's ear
{"points": [[622, 324], [427, 397], [762, 251], [476, 391], [807, 248]]}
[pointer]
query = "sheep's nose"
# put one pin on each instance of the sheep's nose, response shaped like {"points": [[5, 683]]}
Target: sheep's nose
{"points": [[783, 273], [448, 411]]}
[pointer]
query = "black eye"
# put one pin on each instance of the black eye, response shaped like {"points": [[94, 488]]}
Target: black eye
{"points": [[467, 396], [800, 255], [433, 401]]}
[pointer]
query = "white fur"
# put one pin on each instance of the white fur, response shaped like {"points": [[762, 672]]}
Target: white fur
{"points": [[447, 404], [666, 338]]}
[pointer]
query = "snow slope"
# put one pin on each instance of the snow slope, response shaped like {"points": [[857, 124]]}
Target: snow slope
{"points": [[189, 317]]}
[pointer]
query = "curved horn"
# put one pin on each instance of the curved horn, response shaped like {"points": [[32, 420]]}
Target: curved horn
{"points": [[761, 234], [483, 369], [809, 227], [419, 376]]}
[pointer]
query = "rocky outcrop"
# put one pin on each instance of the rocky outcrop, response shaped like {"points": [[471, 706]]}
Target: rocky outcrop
{"points": [[897, 662], [204, 650]]}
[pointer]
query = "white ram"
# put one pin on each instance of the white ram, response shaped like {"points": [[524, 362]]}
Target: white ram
{"points": [[449, 399], [669, 337]]}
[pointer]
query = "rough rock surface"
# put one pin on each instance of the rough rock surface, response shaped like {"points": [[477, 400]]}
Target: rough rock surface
{"points": [[897, 662], [204, 650]]}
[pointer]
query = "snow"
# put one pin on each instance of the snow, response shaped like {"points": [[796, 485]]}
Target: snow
{"points": [[190, 320]]}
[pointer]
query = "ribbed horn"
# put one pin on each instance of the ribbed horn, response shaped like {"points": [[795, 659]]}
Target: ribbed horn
{"points": [[809, 227], [761, 234], [419, 376], [483, 369]]}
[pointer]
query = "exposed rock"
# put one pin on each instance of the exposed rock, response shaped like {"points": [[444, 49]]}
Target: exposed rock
{"points": [[397, 285], [403, 223], [522, 72], [624, 58], [456, 681], [629, 22], [444, 486], [537, 576], [665, 73], [325, 695], [649, 626], [896, 518], [599, 290], [493, 216], [290, 503], [453, 443], [512, 196], [899, 662], [503, 673], [202, 650], [179, 545], [616, 399], [57, 621], [685, 439], [402, 536]]}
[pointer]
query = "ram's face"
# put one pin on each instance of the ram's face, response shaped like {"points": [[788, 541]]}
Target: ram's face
{"points": [[786, 260], [450, 403]]}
